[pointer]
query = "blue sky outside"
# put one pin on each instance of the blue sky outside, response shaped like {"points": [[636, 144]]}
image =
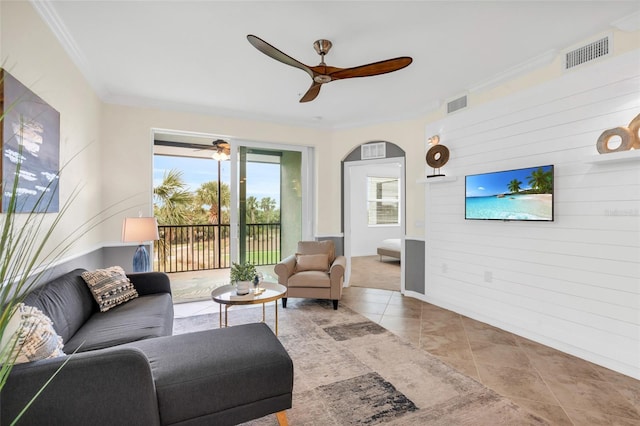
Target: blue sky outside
{"points": [[490, 184], [263, 179]]}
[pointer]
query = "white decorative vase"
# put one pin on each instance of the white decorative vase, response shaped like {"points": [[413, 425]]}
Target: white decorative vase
{"points": [[243, 287]]}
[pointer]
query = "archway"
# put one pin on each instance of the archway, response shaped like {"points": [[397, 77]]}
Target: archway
{"points": [[373, 194]]}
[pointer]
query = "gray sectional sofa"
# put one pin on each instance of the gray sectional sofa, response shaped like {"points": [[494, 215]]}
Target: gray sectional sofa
{"points": [[130, 370]]}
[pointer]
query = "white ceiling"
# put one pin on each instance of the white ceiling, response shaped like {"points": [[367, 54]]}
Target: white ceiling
{"points": [[194, 55]]}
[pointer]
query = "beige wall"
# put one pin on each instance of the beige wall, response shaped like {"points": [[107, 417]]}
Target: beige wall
{"points": [[408, 135], [128, 146], [31, 53], [127, 149]]}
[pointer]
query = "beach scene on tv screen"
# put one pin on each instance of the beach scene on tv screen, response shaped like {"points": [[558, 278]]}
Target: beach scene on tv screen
{"points": [[522, 194]]}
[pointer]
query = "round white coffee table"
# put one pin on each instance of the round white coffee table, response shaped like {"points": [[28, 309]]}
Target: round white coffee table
{"points": [[226, 295]]}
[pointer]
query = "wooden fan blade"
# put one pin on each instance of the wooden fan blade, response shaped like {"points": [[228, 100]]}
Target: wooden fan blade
{"points": [[375, 68], [276, 54], [312, 93]]}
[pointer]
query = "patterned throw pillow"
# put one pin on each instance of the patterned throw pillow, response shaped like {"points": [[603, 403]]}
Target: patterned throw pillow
{"points": [[110, 287], [32, 335]]}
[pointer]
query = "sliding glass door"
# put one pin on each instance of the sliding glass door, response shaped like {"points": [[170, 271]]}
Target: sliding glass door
{"points": [[272, 203]]}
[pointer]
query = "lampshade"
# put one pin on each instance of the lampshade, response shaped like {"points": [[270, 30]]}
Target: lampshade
{"points": [[138, 229]]}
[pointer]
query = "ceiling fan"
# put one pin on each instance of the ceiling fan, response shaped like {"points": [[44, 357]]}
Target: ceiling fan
{"points": [[222, 150], [322, 73], [221, 145]]}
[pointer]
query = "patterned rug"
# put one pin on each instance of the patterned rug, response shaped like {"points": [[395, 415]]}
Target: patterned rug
{"points": [[351, 371]]}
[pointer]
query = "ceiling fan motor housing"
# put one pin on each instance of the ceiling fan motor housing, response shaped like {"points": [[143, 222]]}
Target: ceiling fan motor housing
{"points": [[322, 46]]}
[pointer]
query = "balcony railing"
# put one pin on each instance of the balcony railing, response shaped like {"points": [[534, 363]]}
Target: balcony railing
{"points": [[184, 248]]}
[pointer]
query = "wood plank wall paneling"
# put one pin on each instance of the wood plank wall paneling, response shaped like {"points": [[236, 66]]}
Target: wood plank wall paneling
{"points": [[573, 284]]}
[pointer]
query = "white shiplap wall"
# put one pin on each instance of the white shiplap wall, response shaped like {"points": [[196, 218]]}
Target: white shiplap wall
{"points": [[573, 284]]}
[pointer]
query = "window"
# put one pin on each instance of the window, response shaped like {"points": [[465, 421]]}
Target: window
{"points": [[383, 200]]}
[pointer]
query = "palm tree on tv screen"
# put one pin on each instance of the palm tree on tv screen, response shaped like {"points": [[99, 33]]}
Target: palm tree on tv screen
{"points": [[541, 181], [514, 185]]}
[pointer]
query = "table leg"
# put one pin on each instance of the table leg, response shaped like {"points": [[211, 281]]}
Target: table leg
{"points": [[263, 320], [226, 310], [276, 302], [220, 319]]}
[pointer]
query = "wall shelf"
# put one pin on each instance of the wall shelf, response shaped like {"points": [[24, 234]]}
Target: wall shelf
{"points": [[615, 157], [437, 179]]}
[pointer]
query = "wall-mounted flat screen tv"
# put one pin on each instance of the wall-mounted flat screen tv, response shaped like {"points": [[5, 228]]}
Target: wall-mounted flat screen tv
{"points": [[521, 194]]}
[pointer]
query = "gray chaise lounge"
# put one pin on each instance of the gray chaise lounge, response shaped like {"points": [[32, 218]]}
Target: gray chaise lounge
{"points": [[131, 371]]}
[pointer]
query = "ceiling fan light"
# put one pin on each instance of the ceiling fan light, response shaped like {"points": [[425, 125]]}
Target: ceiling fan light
{"points": [[220, 156]]}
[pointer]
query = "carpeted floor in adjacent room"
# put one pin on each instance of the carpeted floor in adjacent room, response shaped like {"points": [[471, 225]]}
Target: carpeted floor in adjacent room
{"points": [[375, 272]]}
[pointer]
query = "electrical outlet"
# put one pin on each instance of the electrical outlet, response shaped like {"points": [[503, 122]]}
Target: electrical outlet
{"points": [[488, 276]]}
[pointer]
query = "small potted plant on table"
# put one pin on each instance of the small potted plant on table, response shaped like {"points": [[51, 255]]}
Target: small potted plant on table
{"points": [[242, 276]]}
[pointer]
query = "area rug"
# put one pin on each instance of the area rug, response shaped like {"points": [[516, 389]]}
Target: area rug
{"points": [[371, 272], [351, 371]]}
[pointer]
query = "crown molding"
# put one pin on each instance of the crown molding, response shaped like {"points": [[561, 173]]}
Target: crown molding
{"points": [[53, 21], [522, 68], [628, 23]]}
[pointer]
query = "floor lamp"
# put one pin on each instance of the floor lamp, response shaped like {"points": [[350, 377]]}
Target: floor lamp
{"points": [[140, 229]]}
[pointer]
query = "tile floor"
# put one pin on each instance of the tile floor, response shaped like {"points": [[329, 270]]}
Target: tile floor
{"points": [[561, 388]]}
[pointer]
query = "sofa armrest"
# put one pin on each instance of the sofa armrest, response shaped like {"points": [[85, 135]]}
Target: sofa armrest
{"points": [[336, 275], [285, 269], [338, 266], [150, 282], [108, 386]]}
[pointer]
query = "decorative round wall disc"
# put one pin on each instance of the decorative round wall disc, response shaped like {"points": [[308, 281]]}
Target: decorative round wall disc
{"points": [[625, 136], [437, 156]]}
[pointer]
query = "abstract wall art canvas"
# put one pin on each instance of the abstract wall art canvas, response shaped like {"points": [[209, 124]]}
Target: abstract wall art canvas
{"points": [[30, 137]]}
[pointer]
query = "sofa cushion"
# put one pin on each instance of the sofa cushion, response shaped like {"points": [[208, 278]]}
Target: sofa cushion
{"points": [[310, 279], [66, 300], [110, 287], [207, 375], [312, 262], [141, 318], [32, 335]]}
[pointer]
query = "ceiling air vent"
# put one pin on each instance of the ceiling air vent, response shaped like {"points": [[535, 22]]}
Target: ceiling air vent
{"points": [[591, 51], [370, 151], [457, 104]]}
